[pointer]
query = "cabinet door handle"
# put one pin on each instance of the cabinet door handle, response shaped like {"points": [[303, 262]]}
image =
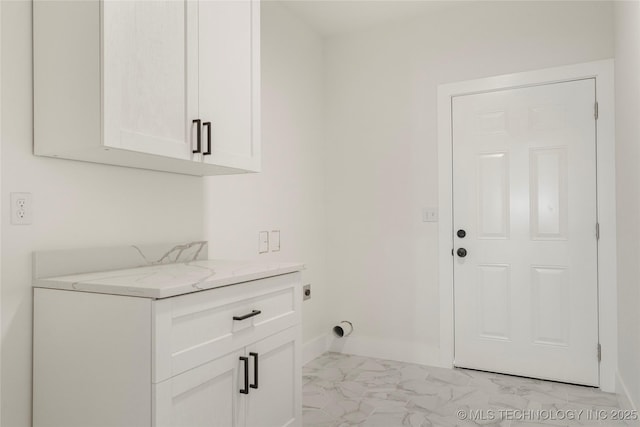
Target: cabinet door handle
{"points": [[245, 360], [255, 370], [208, 126], [248, 315], [198, 136]]}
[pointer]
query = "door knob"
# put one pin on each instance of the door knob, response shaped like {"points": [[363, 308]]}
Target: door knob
{"points": [[461, 233], [462, 252]]}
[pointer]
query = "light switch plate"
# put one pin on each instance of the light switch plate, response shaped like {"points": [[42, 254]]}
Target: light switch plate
{"points": [[263, 242], [430, 215]]}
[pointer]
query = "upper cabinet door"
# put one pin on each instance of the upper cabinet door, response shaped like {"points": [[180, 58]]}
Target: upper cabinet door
{"points": [[229, 81], [148, 94]]}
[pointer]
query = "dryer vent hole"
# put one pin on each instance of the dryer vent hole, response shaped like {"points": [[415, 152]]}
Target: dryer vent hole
{"points": [[343, 329]]}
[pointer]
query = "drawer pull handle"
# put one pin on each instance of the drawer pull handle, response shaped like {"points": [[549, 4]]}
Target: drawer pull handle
{"points": [[255, 370], [198, 122], [245, 360], [248, 315], [208, 126]]}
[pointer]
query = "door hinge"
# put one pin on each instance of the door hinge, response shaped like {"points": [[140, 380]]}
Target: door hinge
{"points": [[595, 110], [599, 352], [597, 231]]}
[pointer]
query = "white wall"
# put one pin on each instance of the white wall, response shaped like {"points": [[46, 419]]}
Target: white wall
{"points": [[382, 150], [627, 54], [76, 205], [289, 193]]}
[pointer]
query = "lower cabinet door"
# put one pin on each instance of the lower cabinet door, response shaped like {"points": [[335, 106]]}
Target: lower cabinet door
{"points": [[257, 386], [205, 396], [275, 402]]}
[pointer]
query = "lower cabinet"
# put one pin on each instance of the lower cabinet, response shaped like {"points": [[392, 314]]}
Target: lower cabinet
{"points": [[257, 386], [226, 357]]}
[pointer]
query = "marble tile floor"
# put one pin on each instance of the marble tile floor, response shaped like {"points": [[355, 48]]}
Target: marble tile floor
{"points": [[342, 390]]}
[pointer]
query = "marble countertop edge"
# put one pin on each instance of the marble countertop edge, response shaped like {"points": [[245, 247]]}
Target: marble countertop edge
{"points": [[169, 280]]}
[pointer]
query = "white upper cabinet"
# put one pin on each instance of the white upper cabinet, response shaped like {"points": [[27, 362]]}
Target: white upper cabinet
{"points": [[145, 82], [229, 46], [164, 84]]}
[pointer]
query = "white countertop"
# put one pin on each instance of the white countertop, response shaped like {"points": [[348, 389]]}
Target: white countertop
{"points": [[167, 280]]}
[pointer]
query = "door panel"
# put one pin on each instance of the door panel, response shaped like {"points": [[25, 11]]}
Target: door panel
{"points": [[550, 290], [493, 196], [548, 186], [228, 66], [145, 79], [206, 396], [495, 304], [278, 376], [524, 190]]}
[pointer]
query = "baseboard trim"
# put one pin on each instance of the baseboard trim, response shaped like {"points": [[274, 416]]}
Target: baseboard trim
{"points": [[626, 402], [315, 347], [401, 351]]}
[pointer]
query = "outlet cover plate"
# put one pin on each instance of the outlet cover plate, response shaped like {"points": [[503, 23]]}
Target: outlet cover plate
{"points": [[21, 208]]}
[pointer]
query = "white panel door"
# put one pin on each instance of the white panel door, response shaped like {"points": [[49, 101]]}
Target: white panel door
{"points": [[524, 192], [275, 402], [229, 67], [206, 396], [149, 98]]}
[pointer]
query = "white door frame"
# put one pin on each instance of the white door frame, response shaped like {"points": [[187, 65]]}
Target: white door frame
{"points": [[602, 71], [0, 175]]}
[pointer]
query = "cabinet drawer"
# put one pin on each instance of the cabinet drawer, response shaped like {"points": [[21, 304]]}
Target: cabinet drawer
{"points": [[193, 329]]}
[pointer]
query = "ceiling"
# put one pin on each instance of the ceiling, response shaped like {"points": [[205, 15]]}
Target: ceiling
{"points": [[333, 17]]}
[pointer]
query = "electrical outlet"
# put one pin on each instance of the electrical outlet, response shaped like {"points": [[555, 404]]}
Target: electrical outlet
{"points": [[274, 240], [306, 292], [263, 242], [21, 208]]}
